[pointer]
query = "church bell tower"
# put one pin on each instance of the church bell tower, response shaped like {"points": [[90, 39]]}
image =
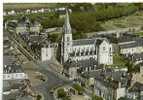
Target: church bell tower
{"points": [[66, 44]]}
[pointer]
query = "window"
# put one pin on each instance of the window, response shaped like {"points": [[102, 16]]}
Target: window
{"points": [[110, 49], [46, 54], [68, 39], [103, 48]]}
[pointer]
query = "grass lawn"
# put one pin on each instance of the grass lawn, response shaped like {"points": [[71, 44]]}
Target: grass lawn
{"points": [[133, 20]]}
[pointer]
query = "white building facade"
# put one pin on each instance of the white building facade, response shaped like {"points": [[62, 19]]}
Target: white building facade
{"points": [[46, 53]]}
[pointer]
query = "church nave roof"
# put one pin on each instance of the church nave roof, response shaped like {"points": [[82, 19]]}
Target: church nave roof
{"points": [[83, 42]]}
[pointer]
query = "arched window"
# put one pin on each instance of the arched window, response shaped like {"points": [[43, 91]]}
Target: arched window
{"points": [[103, 48]]}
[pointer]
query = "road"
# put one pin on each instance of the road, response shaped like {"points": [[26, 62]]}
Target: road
{"points": [[117, 32], [54, 80], [20, 47]]}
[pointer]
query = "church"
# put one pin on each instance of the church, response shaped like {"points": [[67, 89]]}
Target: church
{"points": [[99, 49]]}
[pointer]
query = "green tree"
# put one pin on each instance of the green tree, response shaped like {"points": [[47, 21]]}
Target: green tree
{"points": [[123, 98], [94, 97], [38, 97], [78, 88], [53, 37], [66, 98], [85, 22], [61, 93]]}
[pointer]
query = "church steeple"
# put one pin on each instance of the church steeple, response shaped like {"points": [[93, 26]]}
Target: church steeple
{"points": [[67, 26], [66, 43]]}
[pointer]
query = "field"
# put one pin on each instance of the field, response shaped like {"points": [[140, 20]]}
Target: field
{"points": [[80, 20], [133, 20]]}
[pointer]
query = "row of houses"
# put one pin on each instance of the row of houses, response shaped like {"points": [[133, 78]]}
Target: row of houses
{"points": [[112, 84], [34, 11], [130, 44], [13, 72], [25, 26]]}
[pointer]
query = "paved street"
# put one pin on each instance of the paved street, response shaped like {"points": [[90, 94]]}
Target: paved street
{"points": [[54, 80]]}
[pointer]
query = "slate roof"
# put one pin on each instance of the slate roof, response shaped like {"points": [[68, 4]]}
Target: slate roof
{"points": [[134, 42], [21, 25], [83, 42], [7, 60], [13, 68], [98, 42], [135, 57], [36, 38], [126, 38], [82, 63], [87, 63], [109, 77], [136, 87]]}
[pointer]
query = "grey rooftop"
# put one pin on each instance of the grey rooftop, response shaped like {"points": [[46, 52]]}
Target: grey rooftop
{"points": [[109, 77], [13, 68], [83, 42]]}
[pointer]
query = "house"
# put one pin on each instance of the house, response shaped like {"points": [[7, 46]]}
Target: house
{"points": [[138, 76], [72, 69], [136, 58], [47, 52], [25, 26], [22, 26], [12, 71], [35, 27], [109, 83], [12, 12], [136, 92], [130, 44]]}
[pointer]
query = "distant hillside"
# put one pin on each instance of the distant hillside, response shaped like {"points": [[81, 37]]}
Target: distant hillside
{"points": [[85, 17]]}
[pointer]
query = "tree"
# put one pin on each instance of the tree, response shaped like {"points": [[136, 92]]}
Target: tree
{"points": [[39, 97], [53, 37], [78, 88], [61, 93], [85, 22], [94, 97], [66, 98], [123, 98], [131, 67]]}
